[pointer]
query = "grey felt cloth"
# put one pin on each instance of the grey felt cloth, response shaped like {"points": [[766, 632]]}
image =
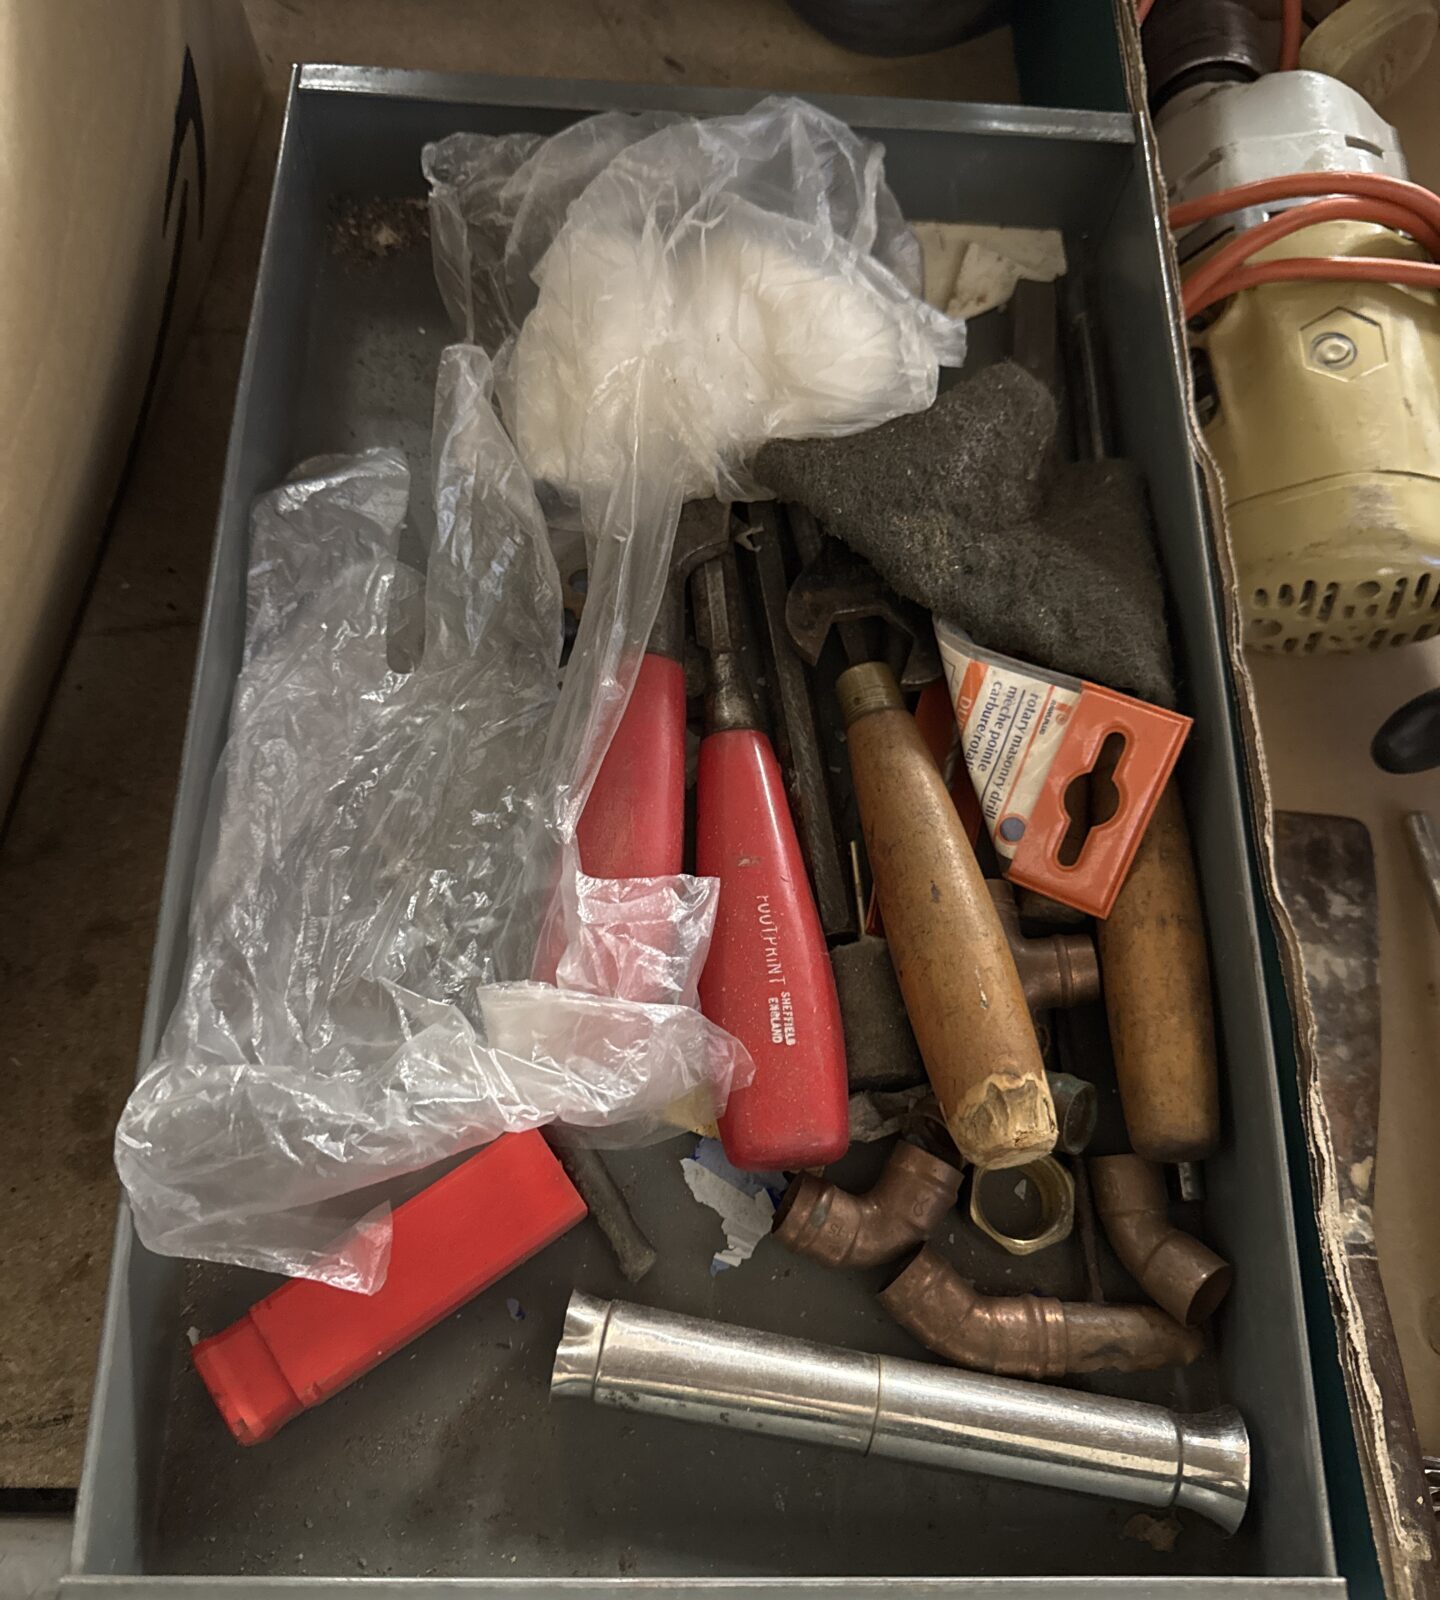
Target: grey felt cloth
{"points": [[965, 508]]}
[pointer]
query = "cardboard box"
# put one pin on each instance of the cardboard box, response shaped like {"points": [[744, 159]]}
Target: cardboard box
{"points": [[123, 131]]}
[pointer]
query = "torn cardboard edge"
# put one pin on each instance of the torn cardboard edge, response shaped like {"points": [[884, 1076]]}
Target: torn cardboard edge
{"points": [[1408, 1564]]}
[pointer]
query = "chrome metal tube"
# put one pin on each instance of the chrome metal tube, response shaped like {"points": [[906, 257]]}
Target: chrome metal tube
{"points": [[642, 1360]]}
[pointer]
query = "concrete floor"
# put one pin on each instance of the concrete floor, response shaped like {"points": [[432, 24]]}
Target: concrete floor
{"points": [[82, 861]]}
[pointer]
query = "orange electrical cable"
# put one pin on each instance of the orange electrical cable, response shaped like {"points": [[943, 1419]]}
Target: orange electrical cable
{"points": [[1292, 29], [1296, 185], [1232, 255], [1388, 202], [1297, 269]]}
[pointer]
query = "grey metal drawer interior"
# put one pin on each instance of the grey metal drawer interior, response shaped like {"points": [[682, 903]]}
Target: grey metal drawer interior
{"points": [[448, 1462]]}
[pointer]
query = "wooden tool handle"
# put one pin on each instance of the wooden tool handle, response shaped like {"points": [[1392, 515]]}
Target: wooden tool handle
{"points": [[1156, 976], [961, 988]]}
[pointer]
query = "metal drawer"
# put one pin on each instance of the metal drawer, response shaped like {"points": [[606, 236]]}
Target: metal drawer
{"points": [[448, 1462]]}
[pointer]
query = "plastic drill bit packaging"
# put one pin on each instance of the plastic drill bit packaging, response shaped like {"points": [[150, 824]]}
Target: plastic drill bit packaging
{"points": [[1029, 739]]}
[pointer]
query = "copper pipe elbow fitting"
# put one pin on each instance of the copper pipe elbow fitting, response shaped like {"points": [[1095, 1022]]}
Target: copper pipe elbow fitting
{"points": [[1179, 1273], [1058, 970], [1027, 1335], [839, 1229]]}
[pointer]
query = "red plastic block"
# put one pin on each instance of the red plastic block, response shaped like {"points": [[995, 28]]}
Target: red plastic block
{"points": [[297, 1346]]}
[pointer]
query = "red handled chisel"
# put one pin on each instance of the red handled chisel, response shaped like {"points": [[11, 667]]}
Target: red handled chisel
{"points": [[633, 825], [768, 979]]}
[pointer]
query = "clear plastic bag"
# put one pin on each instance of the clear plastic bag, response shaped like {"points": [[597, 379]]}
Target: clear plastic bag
{"points": [[349, 1011], [706, 284], [497, 203], [669, 293], [394, 848]]}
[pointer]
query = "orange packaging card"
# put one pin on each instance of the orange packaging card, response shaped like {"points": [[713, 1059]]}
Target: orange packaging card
{"points": [[1026, 736]]}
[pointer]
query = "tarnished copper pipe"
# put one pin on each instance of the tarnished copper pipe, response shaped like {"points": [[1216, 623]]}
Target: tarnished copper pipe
{"points": [[1173, 1268], [840, 1229], [1057, 970], [1077, 1109], [1027, 1335]]}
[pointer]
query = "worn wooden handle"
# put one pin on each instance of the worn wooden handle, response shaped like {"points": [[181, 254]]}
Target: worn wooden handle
{"points": [[1156, 975], [961, 988]]}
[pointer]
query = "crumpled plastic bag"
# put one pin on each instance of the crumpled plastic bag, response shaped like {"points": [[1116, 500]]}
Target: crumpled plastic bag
{"points": [[350, 1009], [496, 203], [663, 295], [393, 847], [709, 283]]}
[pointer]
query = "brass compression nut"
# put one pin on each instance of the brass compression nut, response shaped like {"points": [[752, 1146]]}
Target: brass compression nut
{"points": [[1056, 1189]]}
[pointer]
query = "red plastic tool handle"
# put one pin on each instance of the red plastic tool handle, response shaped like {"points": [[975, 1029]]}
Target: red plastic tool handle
{"points": [[633, 825], [297, 1346], [768, 978]]}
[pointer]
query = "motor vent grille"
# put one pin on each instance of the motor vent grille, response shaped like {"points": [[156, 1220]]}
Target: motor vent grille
{"points": [[1306, 616]]}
